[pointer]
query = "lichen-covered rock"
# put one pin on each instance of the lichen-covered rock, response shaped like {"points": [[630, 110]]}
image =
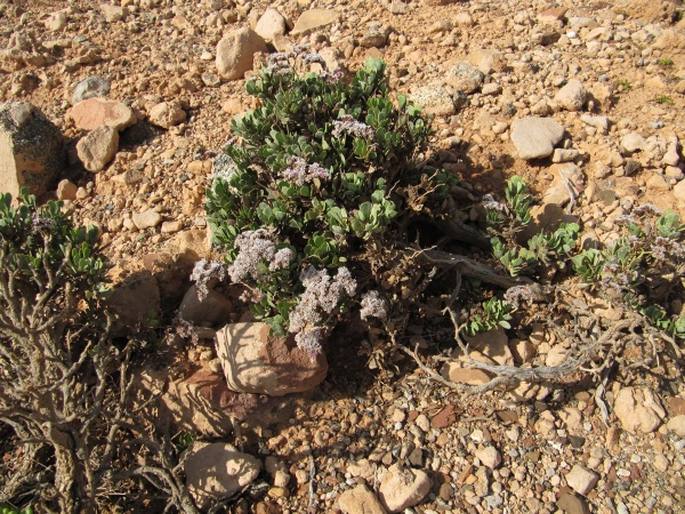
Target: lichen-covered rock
{"points": [[256, 362], [31, 149]]}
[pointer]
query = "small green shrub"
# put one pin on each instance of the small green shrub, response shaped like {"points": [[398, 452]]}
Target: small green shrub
{"points": [[665, 61], [496, 313], [315, 180], [643, 268]]}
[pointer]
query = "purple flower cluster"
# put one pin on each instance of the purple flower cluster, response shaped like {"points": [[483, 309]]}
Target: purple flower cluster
{"points": [[254, 248], [322, 295], [373, 305], [302, 173], [346, 124], [205, 274]]}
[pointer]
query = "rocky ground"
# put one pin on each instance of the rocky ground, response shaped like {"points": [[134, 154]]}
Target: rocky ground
{"points": [[584, 101]]}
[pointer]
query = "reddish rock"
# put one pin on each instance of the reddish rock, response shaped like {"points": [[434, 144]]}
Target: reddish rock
{"points": [[255, 362], [99, 112], [446, 417]]}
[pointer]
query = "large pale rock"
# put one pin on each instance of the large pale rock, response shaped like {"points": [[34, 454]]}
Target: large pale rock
{"points": [[535, 138], [457, 373], [216, 471], [314, 19], [638, 410], [465, 78], [97, 148], [235, 52], [494, 344], [486, 61], [254, 362], [360, 500], [437, 99], [31, 149], [403, 488], [271, 24], [98, 112], [581, 479], [146, 219]]}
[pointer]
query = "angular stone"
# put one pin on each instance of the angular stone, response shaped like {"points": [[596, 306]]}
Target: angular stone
{"points": [[360, 500], [567, 177], [569, 503], [638, 410], [403, 488], [314, 19], [572, 96], [31, 149], [465, 78], [535, 138], [98, 112], [436, 99], [489, 456], [486, 61], [632, 142], [167, 114], [581, 480], [235, 53], [97, 148], [254, 362], [494, 345], [677, 425], [271, 24], [216, 471], [66, 190]]}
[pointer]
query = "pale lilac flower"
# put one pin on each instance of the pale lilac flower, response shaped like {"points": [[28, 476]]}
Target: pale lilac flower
{"points": [[281, 259], [310, 341], [346, 124], [321, 296], [254, 247], [302, 173], [373, 305], [205, 272]]}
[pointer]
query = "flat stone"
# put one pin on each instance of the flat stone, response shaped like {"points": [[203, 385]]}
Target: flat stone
{"points": [[97, 148], [96, 112], [314, 19], [569, 503], [216, 471], [535, 138], [146, 219], [31, 150], [457, 373]]}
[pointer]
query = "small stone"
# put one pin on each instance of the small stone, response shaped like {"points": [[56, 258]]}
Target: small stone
{"points": [[94, 112], [97, 148], [90, 87], [638, 410], [171, 227], [487, 61], [436, 99], [489, 456], [235, 53], [66, 190], [112, 13], [581, 480], [572, 96], [56, 21], [146, 219], [216, 471], [31, 150], [208, 310], [457, 373], [567, 176], [572, 504], [464, 78], [599, 122], [679, 191], [403, 488], [535, 138], [167, 114], [314, 19], [494, 345], [565, 155], [423, 422], [360, 500], [271, 24], [677, 425], [632, 142]]}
